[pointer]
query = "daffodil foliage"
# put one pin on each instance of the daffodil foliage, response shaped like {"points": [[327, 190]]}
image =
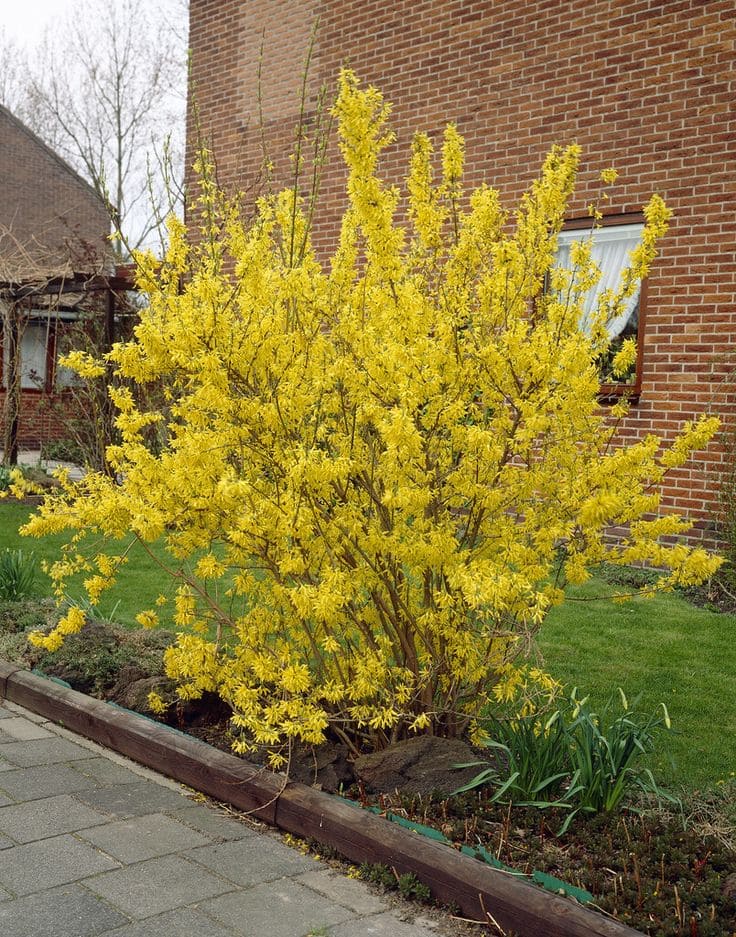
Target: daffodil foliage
{"points": [[372, 476]]}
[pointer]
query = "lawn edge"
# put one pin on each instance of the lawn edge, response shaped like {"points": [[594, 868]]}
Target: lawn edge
{"points": [[477, 889]]}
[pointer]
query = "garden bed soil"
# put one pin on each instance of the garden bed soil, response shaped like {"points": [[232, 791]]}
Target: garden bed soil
{"points": [[718, 594], [648, 867]]}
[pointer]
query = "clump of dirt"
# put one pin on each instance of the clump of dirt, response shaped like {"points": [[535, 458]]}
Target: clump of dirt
{"points": [[103, 658], [422, 765]]}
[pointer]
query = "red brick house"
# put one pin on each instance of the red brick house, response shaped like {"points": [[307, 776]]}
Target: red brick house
{"points": [[52, 225], [647, 86]]}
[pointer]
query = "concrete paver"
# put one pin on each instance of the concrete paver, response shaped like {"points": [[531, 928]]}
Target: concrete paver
{"points": [[49, 862], [92, 845], [105, 772], [183, 922], [206, 820], [143, 837], [129, 800], [157, 885], [279, 909], [380, 925], [50, 816], [69, 911], [348, 892], [251, 861], [21, 729], [41, 751], [23, 784]]}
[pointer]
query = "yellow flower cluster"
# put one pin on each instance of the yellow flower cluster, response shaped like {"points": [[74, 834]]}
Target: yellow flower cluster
{"points": [[374, 476]]}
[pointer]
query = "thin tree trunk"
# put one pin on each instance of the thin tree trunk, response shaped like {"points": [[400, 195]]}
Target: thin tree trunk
{"points": [[12, 334]]}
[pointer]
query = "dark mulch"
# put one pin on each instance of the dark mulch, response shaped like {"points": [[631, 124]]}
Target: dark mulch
{"points": [[718, 594], [647, 869]]}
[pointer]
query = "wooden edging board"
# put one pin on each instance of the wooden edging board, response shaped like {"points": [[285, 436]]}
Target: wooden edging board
{"points": [[477, 889]]}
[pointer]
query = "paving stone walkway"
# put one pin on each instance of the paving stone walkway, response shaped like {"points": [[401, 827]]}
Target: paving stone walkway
{"points": [[92, 845]]}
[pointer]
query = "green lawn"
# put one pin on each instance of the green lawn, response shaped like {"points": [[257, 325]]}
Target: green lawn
{"points": [[140, 580], [664, 649]]}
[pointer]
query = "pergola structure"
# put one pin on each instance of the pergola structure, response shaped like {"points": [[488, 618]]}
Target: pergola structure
{"points": [[59, 293]]}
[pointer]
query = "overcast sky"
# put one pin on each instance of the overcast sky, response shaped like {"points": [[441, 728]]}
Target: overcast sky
{"points": [[25, 20]]}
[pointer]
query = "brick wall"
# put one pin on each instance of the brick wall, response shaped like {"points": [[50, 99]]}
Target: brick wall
{"points": [[642, 85], [40, 418]]}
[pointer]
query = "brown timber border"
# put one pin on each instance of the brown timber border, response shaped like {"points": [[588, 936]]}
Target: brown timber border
{"points": [[481, 892]]}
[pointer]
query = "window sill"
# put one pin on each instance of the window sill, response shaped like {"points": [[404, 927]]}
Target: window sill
{"points": [[611, 394]]}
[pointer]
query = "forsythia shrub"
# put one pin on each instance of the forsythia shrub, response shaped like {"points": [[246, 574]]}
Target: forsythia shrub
{"points": [[378, 473]]}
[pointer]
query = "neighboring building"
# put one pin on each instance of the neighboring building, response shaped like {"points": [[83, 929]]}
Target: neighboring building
{"points": [[648, 87], [52, 225], [47, 206]]}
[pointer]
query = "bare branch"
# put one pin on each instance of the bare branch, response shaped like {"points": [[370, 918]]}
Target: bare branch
{"points": [[106, 89]]}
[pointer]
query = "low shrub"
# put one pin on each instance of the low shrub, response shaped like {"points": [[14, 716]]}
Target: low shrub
{"points": [[17, 574], [579, 760], [63, 450], [372, 477]]}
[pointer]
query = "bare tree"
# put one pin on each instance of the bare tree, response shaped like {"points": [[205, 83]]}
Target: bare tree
{"points": [[107, 90], [13, 68]]}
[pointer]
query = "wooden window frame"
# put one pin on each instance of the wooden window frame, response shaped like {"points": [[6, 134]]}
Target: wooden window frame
{"points": [[49, 382]]}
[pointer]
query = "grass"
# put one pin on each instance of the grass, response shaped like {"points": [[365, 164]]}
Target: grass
{"points": [[664, 648], [140, 580]]}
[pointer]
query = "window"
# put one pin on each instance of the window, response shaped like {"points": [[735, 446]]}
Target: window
{"points": [[611, 244], [39, 369]]}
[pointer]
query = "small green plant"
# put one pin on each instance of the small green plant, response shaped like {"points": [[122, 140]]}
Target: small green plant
{"points": [[410, 887], [377, 874], [578, 760], [4, 478], [536, 759], [604, 752], [17, 574]]}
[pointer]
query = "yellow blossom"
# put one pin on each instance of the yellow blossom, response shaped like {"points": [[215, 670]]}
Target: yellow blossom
{"points": [[156, 703], [148, 619]]}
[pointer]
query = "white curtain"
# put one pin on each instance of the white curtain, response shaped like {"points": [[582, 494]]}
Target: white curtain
{"points": [[33, 356], [610, 251]]}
